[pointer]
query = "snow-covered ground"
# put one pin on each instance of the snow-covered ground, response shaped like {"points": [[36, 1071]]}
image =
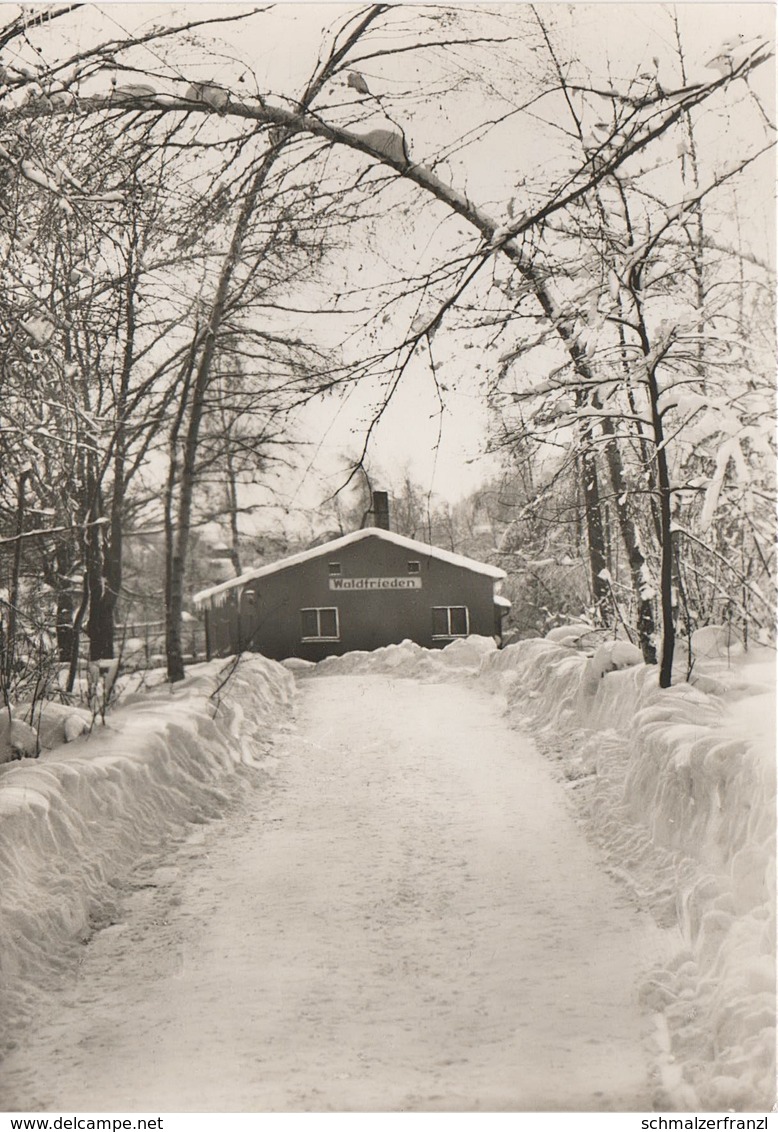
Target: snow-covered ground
{"points": [[74, 822], [678, 788], [401, 818], [405, 916]]}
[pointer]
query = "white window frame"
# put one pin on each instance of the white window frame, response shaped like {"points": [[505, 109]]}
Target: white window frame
{"points": [[317, 609], [449, 636]]}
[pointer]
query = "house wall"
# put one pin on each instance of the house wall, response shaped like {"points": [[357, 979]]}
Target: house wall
{"points": [[265, 614]]}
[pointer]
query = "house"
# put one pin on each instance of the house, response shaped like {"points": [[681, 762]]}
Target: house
{"points": [[361, 591]]}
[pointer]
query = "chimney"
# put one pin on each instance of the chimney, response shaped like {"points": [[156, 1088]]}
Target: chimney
{"points": [[381, 510]]}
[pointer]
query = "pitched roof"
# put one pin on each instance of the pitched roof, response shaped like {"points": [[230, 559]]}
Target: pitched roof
{"points": [[422, 549]]}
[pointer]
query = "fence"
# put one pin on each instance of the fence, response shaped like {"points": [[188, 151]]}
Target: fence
{"points": [[142, 643]]}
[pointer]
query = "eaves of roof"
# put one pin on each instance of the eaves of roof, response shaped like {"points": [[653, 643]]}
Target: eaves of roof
{"points": [[422, 549]]}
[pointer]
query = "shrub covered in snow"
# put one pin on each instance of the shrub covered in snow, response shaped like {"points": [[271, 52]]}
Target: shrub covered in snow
{"points": [[568, 634], [716, 641], [22, 740], [611, 656], [41, 726], [79, 818]]}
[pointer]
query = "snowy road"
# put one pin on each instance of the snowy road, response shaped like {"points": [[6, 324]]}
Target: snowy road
{"points": [[403, 916]]}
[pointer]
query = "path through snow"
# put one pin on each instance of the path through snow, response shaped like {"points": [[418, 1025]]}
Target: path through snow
{"points": [[403, 916]]}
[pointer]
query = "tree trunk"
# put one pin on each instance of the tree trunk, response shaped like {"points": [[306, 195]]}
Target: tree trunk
{"points": [[595, 534], [180, 534], [664, 491], [99, 623], [175, 663], [61, 583], [598, 562], [232, 504], [646, 626], [64, 626], [104, 592], [16, 570], [668, 619], [78, 621]]}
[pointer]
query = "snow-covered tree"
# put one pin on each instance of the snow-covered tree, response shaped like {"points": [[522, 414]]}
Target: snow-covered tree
{"points": [[359, 132]]}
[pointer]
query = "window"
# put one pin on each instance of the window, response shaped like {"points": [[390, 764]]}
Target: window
{"points": [[320, 625], [414, 568], [450, 621], [334, 569]]}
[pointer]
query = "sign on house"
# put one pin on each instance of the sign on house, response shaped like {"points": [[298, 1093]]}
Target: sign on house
{"points": [[375, 583]]}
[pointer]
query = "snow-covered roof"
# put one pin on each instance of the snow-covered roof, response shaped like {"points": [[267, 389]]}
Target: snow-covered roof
{"points": [[503, 601], [422, 549]]}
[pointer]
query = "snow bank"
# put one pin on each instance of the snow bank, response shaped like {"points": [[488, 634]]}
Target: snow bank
{"points": [[411, 660], [77, 820], [679, 786]]}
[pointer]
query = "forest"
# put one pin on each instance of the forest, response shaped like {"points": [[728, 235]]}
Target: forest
{"points": [[214, 220]]}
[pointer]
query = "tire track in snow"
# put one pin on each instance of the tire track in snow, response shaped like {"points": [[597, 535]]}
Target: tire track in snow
{"points": [[406, 916]]}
